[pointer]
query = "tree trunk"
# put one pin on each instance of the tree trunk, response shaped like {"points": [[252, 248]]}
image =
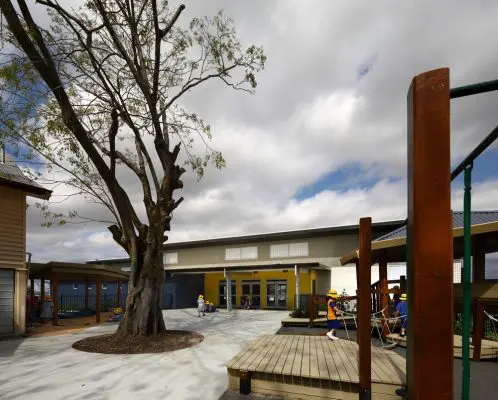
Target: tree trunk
{"points": [[143, 315]]}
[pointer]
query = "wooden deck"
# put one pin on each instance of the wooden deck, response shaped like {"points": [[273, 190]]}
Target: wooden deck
{"points": [[489, 348], [321, 321], [314, 367]]}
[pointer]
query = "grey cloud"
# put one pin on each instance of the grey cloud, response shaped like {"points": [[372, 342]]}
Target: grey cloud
{"points": [[314, 51]]}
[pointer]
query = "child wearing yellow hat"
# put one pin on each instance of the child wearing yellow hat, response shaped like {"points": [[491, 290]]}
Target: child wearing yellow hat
{"points": [[201, 305], [402, 309], [332, 312]]}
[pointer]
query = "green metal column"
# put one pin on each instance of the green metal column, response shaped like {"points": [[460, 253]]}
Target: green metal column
{"points": [[466, 283]]}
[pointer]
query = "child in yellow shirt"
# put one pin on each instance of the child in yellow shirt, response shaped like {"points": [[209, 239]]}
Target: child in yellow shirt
{"points": [[332, 312]]}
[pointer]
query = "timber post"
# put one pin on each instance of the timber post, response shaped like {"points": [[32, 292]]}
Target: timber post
{"points": [[358, 322], [478, 329], [86, 293], [55, 299], [479, 259], [98, 285], [429, 238], [384, 288], [119, 294]]}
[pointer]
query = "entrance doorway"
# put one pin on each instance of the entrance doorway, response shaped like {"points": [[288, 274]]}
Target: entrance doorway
{"points": [[276, 294], [222, 301], [253, 290]]}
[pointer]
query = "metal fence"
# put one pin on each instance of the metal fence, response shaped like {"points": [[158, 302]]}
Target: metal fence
{"points": [[72, 303], [489, 332]]}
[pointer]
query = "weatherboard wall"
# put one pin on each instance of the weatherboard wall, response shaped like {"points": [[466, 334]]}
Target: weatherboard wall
{"points": [[12, 228], [13, 250]]}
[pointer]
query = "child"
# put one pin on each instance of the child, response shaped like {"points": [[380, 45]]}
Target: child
{"points": [[332, 311], [200, 305], [402, 309], [393, 304]]}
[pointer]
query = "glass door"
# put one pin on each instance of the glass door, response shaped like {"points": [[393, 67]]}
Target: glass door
{"points": [[223, 293], [282, 295], [252, 290], [271, 295], [276, 294]]}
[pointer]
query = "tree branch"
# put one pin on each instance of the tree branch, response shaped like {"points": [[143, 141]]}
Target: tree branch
{"points": [[194, 83], [160, 34], [113, 131]]}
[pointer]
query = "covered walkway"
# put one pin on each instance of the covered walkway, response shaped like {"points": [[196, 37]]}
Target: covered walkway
{"points": [[268, 284], [57, 272]]}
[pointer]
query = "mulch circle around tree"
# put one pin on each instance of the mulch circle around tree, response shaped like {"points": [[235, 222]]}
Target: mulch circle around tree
{"points": [[112, 344]]}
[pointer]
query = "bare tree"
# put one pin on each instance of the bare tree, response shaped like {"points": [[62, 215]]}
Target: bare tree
{"points": [[100, 89]]}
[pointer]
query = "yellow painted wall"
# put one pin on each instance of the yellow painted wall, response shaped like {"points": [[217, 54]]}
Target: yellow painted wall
{"points": [[211, 284]]}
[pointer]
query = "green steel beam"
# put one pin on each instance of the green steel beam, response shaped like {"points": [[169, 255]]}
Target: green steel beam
{"points": [[476, 88], [466, 283], [487, 141]]}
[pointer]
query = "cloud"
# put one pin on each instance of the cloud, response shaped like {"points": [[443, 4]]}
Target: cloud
{"points": [[311, 117]]}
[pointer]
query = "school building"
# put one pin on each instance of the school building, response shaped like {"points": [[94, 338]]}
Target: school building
{"points": [[270, 268]]}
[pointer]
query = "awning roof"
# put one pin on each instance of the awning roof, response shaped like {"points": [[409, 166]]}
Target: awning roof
{"points": [[12, 176], [75, 271], [394, 244], [318, 263]]}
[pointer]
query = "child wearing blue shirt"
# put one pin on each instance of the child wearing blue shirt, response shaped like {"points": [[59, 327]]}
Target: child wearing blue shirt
{"points": [[402, 309]]}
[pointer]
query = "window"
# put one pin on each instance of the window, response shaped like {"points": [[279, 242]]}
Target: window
{"points": [[249, 253], [90, 287], [395, 270], [170, 258], [75, 286], [232, 254], [241, 253], [104, 286], [279, 250], [289, 250], [298, 249]]}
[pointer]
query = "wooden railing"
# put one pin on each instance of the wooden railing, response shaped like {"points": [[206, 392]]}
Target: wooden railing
{"points": [[311, 305], [377, 292]]}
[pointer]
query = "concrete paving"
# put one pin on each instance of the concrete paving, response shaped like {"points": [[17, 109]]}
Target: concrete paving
{"points": [[49, 368]]}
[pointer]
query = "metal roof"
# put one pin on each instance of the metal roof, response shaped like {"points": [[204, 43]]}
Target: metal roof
{"points": [[477, 217], [378, 228], [45, 270], [11, 175]]}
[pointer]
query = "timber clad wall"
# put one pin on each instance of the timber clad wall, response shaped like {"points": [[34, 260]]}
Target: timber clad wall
{"points": [[13, 247], [321, 247], [12, 228]]}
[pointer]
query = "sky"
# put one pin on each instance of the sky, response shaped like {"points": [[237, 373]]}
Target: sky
{"points": [[323, 140]]}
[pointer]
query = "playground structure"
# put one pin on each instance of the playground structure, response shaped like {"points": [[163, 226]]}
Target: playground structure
{"points": [[429, 247], [429, 250]]}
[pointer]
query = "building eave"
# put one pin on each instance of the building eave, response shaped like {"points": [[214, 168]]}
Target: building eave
{"points": [[319, 263], [279, 236]]}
